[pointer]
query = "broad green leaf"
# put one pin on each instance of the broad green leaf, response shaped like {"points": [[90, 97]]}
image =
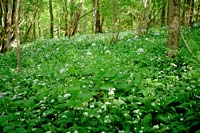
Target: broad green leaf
{"points": [[147, 122]]}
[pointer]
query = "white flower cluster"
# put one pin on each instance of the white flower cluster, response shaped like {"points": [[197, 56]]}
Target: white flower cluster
{"points": [[140, 51], [64, 69], [111, 92]]}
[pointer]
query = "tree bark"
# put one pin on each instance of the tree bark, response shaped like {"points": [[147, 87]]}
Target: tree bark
{"points": [[77, 18], [198, 11], [17, 33], [174, 27], [7, 32], [96, 16], [51, 19], [189, 11], [65, 4], [163, 13], [142, 28]]}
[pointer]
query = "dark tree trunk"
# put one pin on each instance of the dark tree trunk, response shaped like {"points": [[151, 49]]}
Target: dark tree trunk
{"points": [[8, 32], [77, 18], [198, 11], [51, 19], [10, 26], [96, 15], [65, 4], [163, 13], [174, 27]]}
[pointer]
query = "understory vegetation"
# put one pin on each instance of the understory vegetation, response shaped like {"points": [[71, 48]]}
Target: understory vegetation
{"points": [[87, 84]]}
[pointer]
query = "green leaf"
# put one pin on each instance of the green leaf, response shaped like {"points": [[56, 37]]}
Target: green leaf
{"points": [[21, 130], [147, 122], [162, 118]]}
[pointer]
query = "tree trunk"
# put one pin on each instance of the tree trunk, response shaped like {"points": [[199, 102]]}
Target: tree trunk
{"points": [[198, 11], [64, 2], [96, 16], [189, 11], [17, 33], [174, 27], [142, 28], [51, 19], [163, 13], [77, 18], [7, 32], [39, 27]]}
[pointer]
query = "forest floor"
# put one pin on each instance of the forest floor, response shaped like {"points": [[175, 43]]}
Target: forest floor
{"points": [[85, 84]]}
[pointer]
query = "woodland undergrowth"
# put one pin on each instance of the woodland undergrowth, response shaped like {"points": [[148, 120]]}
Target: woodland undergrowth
{"points": [[85, 84]]}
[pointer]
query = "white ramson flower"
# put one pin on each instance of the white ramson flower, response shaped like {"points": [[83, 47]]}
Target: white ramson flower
{"points": [[33, 129], [107, 52], [99, 111], [75, 131], [111, 92], [107, 103], [140, 51], [140, 131], [153, 104], [66, 65], [93, 44], [89, 53], [92, 106], [136, 37], [85, 114], [17, 113], [104, 107], [62, 70], [52, 100], [136, 111], [64, 116], [156, 126], [157, 34], [107, 119], [172, 64], [98, 116], [67, 95]]}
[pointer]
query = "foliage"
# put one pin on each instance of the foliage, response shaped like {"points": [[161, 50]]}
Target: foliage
{"points": [[85, 84]]}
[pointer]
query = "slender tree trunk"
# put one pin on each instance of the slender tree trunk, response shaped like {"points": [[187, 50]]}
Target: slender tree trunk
{"points": [[51, 19], [17, 33], [183, 12], [198, 11], [65, 4], [116, 20], [189, 11], [77, 18], [39, 27], [163, 13], [34, 29], [71, 16], [174, 27], [96, 16], [142, 28], [1, 23]]}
